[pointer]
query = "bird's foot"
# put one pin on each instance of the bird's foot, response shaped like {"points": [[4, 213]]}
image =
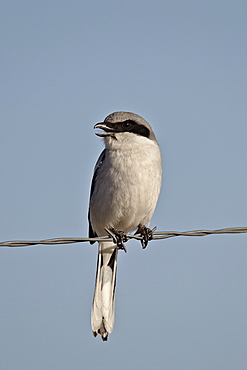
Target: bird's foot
{"points": [[146, 233], [119, 237]]}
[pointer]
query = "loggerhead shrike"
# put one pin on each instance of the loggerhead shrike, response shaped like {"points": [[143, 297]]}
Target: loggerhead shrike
{"points": [[124, 192]]}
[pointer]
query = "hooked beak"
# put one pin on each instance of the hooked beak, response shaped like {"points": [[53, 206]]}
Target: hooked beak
{"points": [[108, 131]]}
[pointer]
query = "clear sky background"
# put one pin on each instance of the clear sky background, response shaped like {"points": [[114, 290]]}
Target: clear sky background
{"points": [[65, 65]]}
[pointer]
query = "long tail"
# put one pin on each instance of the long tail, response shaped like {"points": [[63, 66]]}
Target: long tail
{"points": [[104, 294]]}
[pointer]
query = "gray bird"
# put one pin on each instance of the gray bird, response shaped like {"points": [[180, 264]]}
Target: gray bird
{"points": [[124, 192]]}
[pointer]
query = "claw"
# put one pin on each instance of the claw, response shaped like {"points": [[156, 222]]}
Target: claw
{"points": [[146, 233], [119, 237]]}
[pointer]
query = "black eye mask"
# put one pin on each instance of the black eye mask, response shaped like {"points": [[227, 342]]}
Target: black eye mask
{"points": [[129, 126]]}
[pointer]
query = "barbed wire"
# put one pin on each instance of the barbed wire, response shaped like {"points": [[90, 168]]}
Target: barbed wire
{"points": [[156, 236]]}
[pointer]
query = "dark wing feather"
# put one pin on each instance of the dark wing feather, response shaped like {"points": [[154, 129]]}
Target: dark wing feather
{"points": [[91, 232]]}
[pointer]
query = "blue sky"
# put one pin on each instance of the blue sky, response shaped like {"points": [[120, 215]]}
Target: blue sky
{"points": [[181, 303]]}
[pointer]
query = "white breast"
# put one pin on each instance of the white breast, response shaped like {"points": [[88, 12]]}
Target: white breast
{"points": [[127, 185]]}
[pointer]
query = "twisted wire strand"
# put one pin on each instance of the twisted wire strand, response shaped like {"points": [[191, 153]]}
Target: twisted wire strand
{"points": [[156, 236]]}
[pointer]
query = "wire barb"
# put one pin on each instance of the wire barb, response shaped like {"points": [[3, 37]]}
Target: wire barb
{"points": [[118, 238], [156, 236]]}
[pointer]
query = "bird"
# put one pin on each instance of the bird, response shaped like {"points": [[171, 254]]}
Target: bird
{"points": [[124, 192]]}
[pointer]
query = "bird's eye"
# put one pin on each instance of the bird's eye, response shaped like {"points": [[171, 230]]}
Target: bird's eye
{"points": [[127, 125]]}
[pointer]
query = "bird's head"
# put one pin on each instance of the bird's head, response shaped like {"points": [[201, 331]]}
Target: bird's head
{"points": [[124, 125]]}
